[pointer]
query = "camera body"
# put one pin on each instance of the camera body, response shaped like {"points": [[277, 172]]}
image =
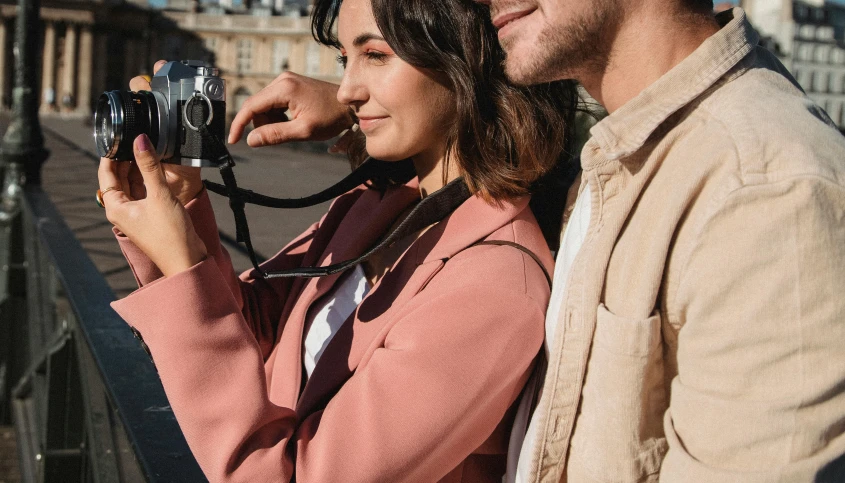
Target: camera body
{"points": [[182, 96]]}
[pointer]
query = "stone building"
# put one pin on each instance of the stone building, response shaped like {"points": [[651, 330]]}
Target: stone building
{"points": [[809, 38], [90, 46], [250, 50]]}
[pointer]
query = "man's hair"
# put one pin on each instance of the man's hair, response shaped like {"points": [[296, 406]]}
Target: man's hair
{"points": [[505, 137]]}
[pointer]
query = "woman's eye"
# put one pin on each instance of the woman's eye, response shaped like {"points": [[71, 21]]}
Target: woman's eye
{"points": [[341, 59], [376, 56]]}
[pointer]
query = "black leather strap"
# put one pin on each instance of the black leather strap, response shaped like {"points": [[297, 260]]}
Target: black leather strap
{"points": [[522, 249], [369, 169], [430, 210]]}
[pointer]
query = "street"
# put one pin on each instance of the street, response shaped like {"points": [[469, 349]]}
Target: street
{"points": [[70, 177]]}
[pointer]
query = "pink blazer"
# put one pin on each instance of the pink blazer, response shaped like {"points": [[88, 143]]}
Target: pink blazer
{"points": [[419, 384]]}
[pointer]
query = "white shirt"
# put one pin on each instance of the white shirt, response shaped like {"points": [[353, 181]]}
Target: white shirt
{"points": [[329, 313], [522, 442]]}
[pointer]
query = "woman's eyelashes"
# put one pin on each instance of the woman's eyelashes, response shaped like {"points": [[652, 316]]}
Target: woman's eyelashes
{"points": [[372, 56]]}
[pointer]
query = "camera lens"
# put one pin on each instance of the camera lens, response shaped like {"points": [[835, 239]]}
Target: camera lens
{"points": [[119, 118]]}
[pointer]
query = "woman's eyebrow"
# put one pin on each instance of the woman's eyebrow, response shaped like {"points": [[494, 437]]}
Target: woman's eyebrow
{"points": [[364, 38]]}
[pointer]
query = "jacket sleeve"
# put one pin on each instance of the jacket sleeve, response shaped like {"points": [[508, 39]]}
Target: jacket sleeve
{"points": [[451, 366], [260, 301], [760, 395]]}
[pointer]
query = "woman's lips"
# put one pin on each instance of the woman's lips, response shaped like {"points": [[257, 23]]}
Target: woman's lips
{"points": [[505, 22], [369, 123]]}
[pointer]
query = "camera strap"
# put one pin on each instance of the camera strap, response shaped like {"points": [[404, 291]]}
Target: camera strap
{"points": [[427, 211]]}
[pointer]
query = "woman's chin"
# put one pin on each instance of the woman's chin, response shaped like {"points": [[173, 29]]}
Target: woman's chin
{"points": [[386, 154]]}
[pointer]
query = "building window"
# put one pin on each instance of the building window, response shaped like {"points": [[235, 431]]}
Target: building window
{"points": [[312, 59], [210, 44], [281, 56], [805, 52], [240, 97], [244, 55]]}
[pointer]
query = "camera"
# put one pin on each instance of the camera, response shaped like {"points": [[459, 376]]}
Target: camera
{"points": [[183, 96]]}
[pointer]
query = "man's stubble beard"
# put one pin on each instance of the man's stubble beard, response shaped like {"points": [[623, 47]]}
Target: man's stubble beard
{"points": [[568, 51]]}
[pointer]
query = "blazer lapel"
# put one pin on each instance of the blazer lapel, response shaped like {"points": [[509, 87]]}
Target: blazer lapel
{"points": [[472, 221], [364, 223]]}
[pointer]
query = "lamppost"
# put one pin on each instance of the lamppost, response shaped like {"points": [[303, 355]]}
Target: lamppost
{"points": [[22, 150], [21, 155]]}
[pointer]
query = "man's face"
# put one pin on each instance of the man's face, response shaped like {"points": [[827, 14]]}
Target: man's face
{"points": [[547, 40]]}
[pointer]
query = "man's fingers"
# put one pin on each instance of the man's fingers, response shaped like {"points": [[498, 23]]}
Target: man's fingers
{"points": [[265, 100], [277, 133], [149, 165]]}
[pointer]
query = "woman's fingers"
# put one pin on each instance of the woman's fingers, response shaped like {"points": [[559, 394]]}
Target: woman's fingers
{"points": [[123, 168], [158, 65], [139, 83], [107, 174], [108, 178], [150, 167], [142, 82], [136, 183]]}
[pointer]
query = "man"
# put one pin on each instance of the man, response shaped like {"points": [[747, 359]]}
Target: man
{"points": [[697, 321]]}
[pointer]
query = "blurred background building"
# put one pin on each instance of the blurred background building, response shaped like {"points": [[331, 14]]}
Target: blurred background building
{"points": [[809, 38], [90, 46]]}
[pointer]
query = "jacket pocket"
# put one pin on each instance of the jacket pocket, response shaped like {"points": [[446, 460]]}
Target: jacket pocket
{"points": [[619, 429]]}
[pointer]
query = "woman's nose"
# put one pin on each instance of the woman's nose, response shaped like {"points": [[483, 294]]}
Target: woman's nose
{"points": [[352, 92]]}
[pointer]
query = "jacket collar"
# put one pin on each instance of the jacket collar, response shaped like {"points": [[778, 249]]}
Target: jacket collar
{"points": [[474, 220], [627, 129]]}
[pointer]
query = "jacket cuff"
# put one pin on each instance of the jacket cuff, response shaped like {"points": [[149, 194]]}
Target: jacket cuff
{"points": [[170, 309], [202, 218]]}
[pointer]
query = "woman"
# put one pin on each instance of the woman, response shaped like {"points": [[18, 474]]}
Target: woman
{"points": [[407, 367]]}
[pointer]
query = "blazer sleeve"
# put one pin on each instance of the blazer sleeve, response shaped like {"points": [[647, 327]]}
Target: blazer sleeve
{"points": [[760, 394], [260, 301], [451, 366]]}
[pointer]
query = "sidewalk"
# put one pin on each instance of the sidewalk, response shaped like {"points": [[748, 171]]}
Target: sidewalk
{"points": [[70, 178]]}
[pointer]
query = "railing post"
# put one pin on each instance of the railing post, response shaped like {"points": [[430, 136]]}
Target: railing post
{"points": [[22, 150], [21, 155]]}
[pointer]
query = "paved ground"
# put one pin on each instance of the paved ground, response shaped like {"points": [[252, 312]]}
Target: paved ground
{"points": [[69, 176], [9, 472]]}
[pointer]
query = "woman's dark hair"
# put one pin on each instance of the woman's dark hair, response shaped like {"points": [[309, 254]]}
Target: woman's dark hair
{"points": [[506, 137]]}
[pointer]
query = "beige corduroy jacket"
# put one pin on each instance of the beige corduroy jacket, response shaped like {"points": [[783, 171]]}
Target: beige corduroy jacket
{"points": [[702, 333]]}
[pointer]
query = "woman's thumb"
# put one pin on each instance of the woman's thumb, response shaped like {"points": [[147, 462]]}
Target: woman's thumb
{"points": [[148, 164]]}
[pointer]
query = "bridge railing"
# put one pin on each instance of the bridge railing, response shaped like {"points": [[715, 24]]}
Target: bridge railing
{"points": [[85, 398]]}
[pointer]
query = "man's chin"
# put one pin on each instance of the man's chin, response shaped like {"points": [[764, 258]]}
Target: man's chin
{"points": [[521, 71]]}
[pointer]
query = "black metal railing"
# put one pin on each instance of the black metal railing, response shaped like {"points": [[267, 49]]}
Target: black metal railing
{"points": [[86, 401]]}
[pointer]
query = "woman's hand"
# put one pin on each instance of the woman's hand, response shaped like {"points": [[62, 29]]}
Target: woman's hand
{"points": [[315, 114], [156, 221], [185, 182]]}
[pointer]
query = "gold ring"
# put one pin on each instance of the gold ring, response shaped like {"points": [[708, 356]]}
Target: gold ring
{"points": [[100, 194]]}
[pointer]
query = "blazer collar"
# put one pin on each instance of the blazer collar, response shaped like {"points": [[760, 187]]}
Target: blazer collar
{"points": [[474, 220]]}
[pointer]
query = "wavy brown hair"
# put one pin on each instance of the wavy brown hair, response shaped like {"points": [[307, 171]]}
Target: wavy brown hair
{"points": [[505, 137]]}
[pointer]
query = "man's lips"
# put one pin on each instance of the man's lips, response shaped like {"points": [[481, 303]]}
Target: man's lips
{"points": [[503, 19]]}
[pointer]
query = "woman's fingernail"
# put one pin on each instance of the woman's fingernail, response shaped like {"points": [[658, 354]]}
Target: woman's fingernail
{"points": [[142, 143]]}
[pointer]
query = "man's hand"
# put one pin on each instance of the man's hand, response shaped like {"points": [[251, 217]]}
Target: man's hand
{"points": [[292, 108]]}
